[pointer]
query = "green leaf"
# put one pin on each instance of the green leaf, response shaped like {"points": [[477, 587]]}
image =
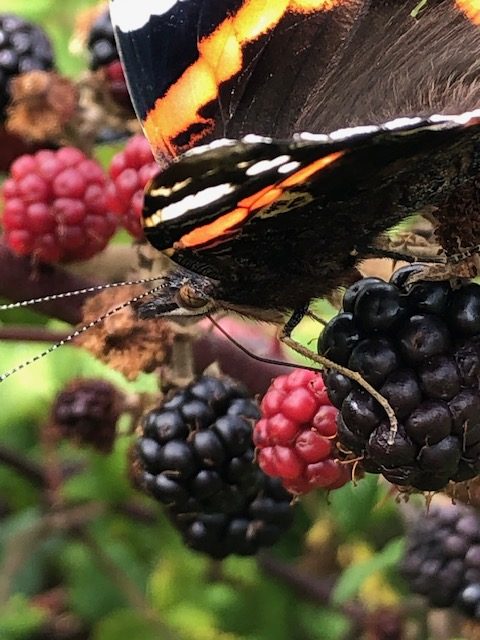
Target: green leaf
{"points": [[354, 576], [124, 623], [19, 619], [351, 506]]}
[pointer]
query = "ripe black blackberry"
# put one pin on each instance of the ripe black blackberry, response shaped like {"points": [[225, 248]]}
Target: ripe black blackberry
{"points": [[101, 42], [420, 347], [196, 456], [23, 47], [442, 558]]}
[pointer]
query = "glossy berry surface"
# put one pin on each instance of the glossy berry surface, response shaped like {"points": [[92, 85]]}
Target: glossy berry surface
{"points": [[24, 47], [55, 206], [130, 170], [196, 457], [295, 438], [442, 558], [419, 346]]}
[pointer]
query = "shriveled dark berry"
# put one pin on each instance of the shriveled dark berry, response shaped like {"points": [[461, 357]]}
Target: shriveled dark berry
{"points": [[196, 456], [444, 455]]}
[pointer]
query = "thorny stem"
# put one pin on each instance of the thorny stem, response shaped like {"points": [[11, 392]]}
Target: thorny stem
{"points": [[25, 467]]}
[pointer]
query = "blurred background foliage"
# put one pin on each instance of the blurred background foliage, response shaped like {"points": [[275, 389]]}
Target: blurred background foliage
{"points": [[102, 563]]}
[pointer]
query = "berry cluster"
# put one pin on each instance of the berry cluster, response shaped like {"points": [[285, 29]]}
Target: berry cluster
{"points": [[87, 412], [130, 170], [420, 347], [196, 457], [442, 559], [23, 47], [55, 206], [295, 436]]}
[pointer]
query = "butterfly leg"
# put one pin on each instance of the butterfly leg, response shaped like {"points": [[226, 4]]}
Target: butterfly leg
{"points": [[326, 363]]}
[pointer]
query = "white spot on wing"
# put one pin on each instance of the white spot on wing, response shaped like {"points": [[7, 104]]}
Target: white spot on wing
{"points": [[129, 15], [349, 132], [400, 123], [266, 165], [216, 144], [311, 137], [196, 201], [252, 138], [290, 166]]}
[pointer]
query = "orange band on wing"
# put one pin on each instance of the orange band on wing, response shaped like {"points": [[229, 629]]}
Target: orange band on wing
{"points": [[220, 59], [263, 198], [471, 8]]}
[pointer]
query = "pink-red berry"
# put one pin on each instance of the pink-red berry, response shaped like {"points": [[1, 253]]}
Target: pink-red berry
{"points": [[55, 207], [296, 434], [130, 170]]}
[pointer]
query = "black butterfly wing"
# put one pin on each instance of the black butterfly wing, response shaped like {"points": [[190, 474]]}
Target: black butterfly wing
{"points": [[203, 69]]}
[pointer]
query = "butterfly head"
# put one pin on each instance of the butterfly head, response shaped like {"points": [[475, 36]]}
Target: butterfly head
{"points": [[183, 294]]}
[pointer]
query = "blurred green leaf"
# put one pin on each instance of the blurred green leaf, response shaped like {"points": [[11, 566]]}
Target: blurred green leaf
{"points": [[19, 619], [125, 623], [322, 623], [354, 576]]}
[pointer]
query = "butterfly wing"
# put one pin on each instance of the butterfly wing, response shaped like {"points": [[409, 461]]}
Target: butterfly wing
{"points": [[203, 69]]}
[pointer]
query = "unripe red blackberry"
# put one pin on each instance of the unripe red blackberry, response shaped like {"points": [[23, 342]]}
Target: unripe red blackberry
{"points": [[130, 170], [23, 47], [419, 346], [295, 436], [442, 558], [55, 206], [87, 412], [196, 456]]}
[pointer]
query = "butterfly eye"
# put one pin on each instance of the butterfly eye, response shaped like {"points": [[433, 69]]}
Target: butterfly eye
{"points": [[191, 298]]}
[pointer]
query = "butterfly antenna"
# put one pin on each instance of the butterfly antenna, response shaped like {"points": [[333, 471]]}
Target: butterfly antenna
{"points": [[79, 332], [77, 292]]}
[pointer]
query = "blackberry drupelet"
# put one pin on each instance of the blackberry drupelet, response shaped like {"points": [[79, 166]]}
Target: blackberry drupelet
{"points": [[420, 347], [196, 457], [23, 47], [442, 558]]}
